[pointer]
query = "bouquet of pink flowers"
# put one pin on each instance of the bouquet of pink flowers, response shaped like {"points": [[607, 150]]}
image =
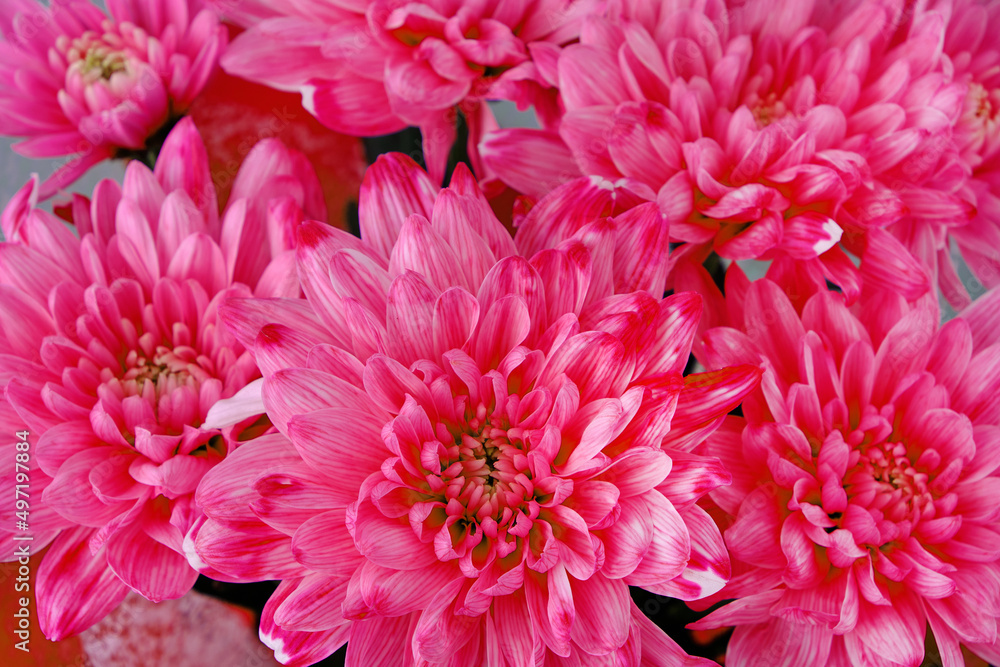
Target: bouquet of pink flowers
{"points": [[503, 333]]}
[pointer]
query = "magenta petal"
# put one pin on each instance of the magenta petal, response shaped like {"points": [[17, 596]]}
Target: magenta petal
{"points": [[470, 228], [246, 317], [72, 494], [72, 170], [420, 248], [803, 568], [754, 536], [594, 360], [641, 250], [279, 346], [706, 399], [385, 592], [708, 569], [637, 471], [226, 490], [983, 317], [61, 442], [323, 544], [691, 477], [456, 313], [379, 641], [550, 606], [183, 165], [627, 540], [314, 605], [345, 104], [353, 274], [504, 326], [388, 542], [75, 587], [388, 383], [293, 646], [150, 568], [894, 632], [571, 206], [341, 442], [751, 609], [602, 614], [199, 258], [676, 325], [888, 264], [590, 77], [947, 641], [514, 630], [785, 643]]}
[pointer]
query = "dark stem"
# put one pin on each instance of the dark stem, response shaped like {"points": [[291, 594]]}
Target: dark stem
{"points": [[154, 144], [409, 141]]}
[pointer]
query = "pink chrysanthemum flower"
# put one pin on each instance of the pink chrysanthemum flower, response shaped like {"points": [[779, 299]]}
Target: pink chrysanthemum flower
{"points": [[485, 447], [76, 82], [865, 477], [113, 354], [784, 131], [376, 66], [973, 57]]}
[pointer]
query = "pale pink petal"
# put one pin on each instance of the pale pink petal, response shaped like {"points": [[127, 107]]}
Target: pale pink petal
{"points": [[255, 554], [421, 249], [439, 632], [325, 437], [314, 605], [245, 403], [388, 542], [394, 189], [297, 647], [671, 546], [708, 569], [514, 155]]}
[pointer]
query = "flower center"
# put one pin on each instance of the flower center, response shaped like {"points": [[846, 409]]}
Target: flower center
{"points": [[768, 109], [102, 61], [95, 57], [479, 456], [486, 472], [981, 105], [982, 111], [485, 486], [886, 481], [165, 371]]}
